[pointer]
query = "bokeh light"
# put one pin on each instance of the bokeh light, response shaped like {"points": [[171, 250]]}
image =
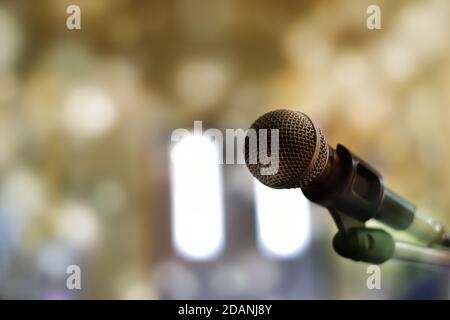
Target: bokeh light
{"points": [[89, 174]]}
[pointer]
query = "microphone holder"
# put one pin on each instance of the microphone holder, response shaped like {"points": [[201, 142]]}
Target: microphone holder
{"points": [[354, 193], [357, 242]]}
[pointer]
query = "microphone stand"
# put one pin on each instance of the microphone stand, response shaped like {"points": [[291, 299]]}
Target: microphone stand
{"points": [[405, 251], [354, 193]]}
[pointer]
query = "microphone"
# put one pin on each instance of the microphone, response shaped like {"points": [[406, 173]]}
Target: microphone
{"points": [[335, 178]]}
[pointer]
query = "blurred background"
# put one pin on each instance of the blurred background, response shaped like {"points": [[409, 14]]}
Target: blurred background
{"points": [[89, 175]]}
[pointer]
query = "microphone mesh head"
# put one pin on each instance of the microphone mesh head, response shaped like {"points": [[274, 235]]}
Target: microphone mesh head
{"points": [[303, 150]]}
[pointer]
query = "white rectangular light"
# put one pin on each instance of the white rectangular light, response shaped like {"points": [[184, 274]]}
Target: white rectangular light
{"points": [[283, 221], [197, 208]]}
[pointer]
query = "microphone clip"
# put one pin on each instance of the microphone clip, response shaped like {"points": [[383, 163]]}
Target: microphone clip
{"points": [[354, 241]]}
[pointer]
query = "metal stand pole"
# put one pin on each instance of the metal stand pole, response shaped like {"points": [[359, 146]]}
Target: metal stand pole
{"points": [[414, 253]]}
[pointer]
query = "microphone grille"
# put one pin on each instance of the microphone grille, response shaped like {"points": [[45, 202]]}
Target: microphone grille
{"points": [[303, 150]]}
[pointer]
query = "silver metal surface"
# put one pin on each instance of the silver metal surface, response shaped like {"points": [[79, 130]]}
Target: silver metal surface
{"points": [[426, 230], [413, 253]]}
